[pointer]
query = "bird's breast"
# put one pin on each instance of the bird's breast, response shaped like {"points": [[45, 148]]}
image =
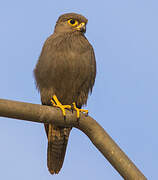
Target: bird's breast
{"points": [[65, 69]]}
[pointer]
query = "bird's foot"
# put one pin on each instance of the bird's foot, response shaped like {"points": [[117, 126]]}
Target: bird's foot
{"points": [[78, 110], [57, 103]]}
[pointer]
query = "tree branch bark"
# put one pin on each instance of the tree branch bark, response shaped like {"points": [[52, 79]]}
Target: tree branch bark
{"points": [[98, 136]]}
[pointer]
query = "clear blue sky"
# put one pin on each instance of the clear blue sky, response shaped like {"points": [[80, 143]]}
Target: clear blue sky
{"points": [[124, 101]]}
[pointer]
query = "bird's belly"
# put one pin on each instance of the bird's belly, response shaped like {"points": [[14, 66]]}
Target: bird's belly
{"points": [[69, 83], [68, 89], [68, 79]]}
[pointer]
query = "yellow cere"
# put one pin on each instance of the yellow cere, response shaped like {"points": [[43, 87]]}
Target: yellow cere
{"points": [[73, 22]]}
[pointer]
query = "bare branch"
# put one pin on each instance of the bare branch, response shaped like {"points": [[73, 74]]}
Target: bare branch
{"points": [[98, 136]]}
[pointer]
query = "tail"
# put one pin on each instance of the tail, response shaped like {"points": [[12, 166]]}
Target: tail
{"points": [[57, 143]]}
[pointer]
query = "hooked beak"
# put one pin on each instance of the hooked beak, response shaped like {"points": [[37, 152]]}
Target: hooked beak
{"points": [[81, 27]]}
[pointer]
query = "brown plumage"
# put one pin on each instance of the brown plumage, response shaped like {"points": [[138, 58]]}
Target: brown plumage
{"points": [[66, 68]]}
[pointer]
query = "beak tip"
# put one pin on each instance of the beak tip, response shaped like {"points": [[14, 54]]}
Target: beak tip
{"points": [[82, 27]]}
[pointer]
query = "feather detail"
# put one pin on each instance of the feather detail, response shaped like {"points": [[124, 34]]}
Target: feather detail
{"points": [[57, 143]]}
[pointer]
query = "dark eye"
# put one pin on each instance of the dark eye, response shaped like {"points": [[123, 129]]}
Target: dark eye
{"points": [[73, 22]]}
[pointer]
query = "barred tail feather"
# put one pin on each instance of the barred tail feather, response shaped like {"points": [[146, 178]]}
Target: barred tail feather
{"points": [[57, 143]]}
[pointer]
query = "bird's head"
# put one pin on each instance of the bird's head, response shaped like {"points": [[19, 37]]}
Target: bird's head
{"points": [[71, 22]]}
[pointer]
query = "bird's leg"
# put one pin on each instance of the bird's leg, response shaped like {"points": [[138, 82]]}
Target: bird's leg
{"points": [[79, 110], [57, 103]]}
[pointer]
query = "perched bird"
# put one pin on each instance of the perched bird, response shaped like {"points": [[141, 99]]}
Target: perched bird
{"points": [[64, 74]]}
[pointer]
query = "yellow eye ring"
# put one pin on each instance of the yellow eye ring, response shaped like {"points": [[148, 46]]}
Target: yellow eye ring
{"points": [[73, 22]]}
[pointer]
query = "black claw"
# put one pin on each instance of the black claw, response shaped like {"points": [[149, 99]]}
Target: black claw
{"points": [[53, 100], [86, 114]]}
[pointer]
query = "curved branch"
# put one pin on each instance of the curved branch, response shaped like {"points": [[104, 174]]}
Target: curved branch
{"points": [[98, 136]]}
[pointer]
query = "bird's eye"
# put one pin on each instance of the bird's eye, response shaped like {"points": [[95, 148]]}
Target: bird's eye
{"points": [[73, 22]]}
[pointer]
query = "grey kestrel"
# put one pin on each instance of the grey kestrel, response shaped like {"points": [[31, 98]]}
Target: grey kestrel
{"points": [[65, 74]]}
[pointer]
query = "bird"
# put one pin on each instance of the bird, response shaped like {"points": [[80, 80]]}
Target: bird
{"points": [[65, 75]]}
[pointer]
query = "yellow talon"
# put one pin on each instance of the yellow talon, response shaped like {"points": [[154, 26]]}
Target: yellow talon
{"points": [[56, 103], [79, 110]]}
